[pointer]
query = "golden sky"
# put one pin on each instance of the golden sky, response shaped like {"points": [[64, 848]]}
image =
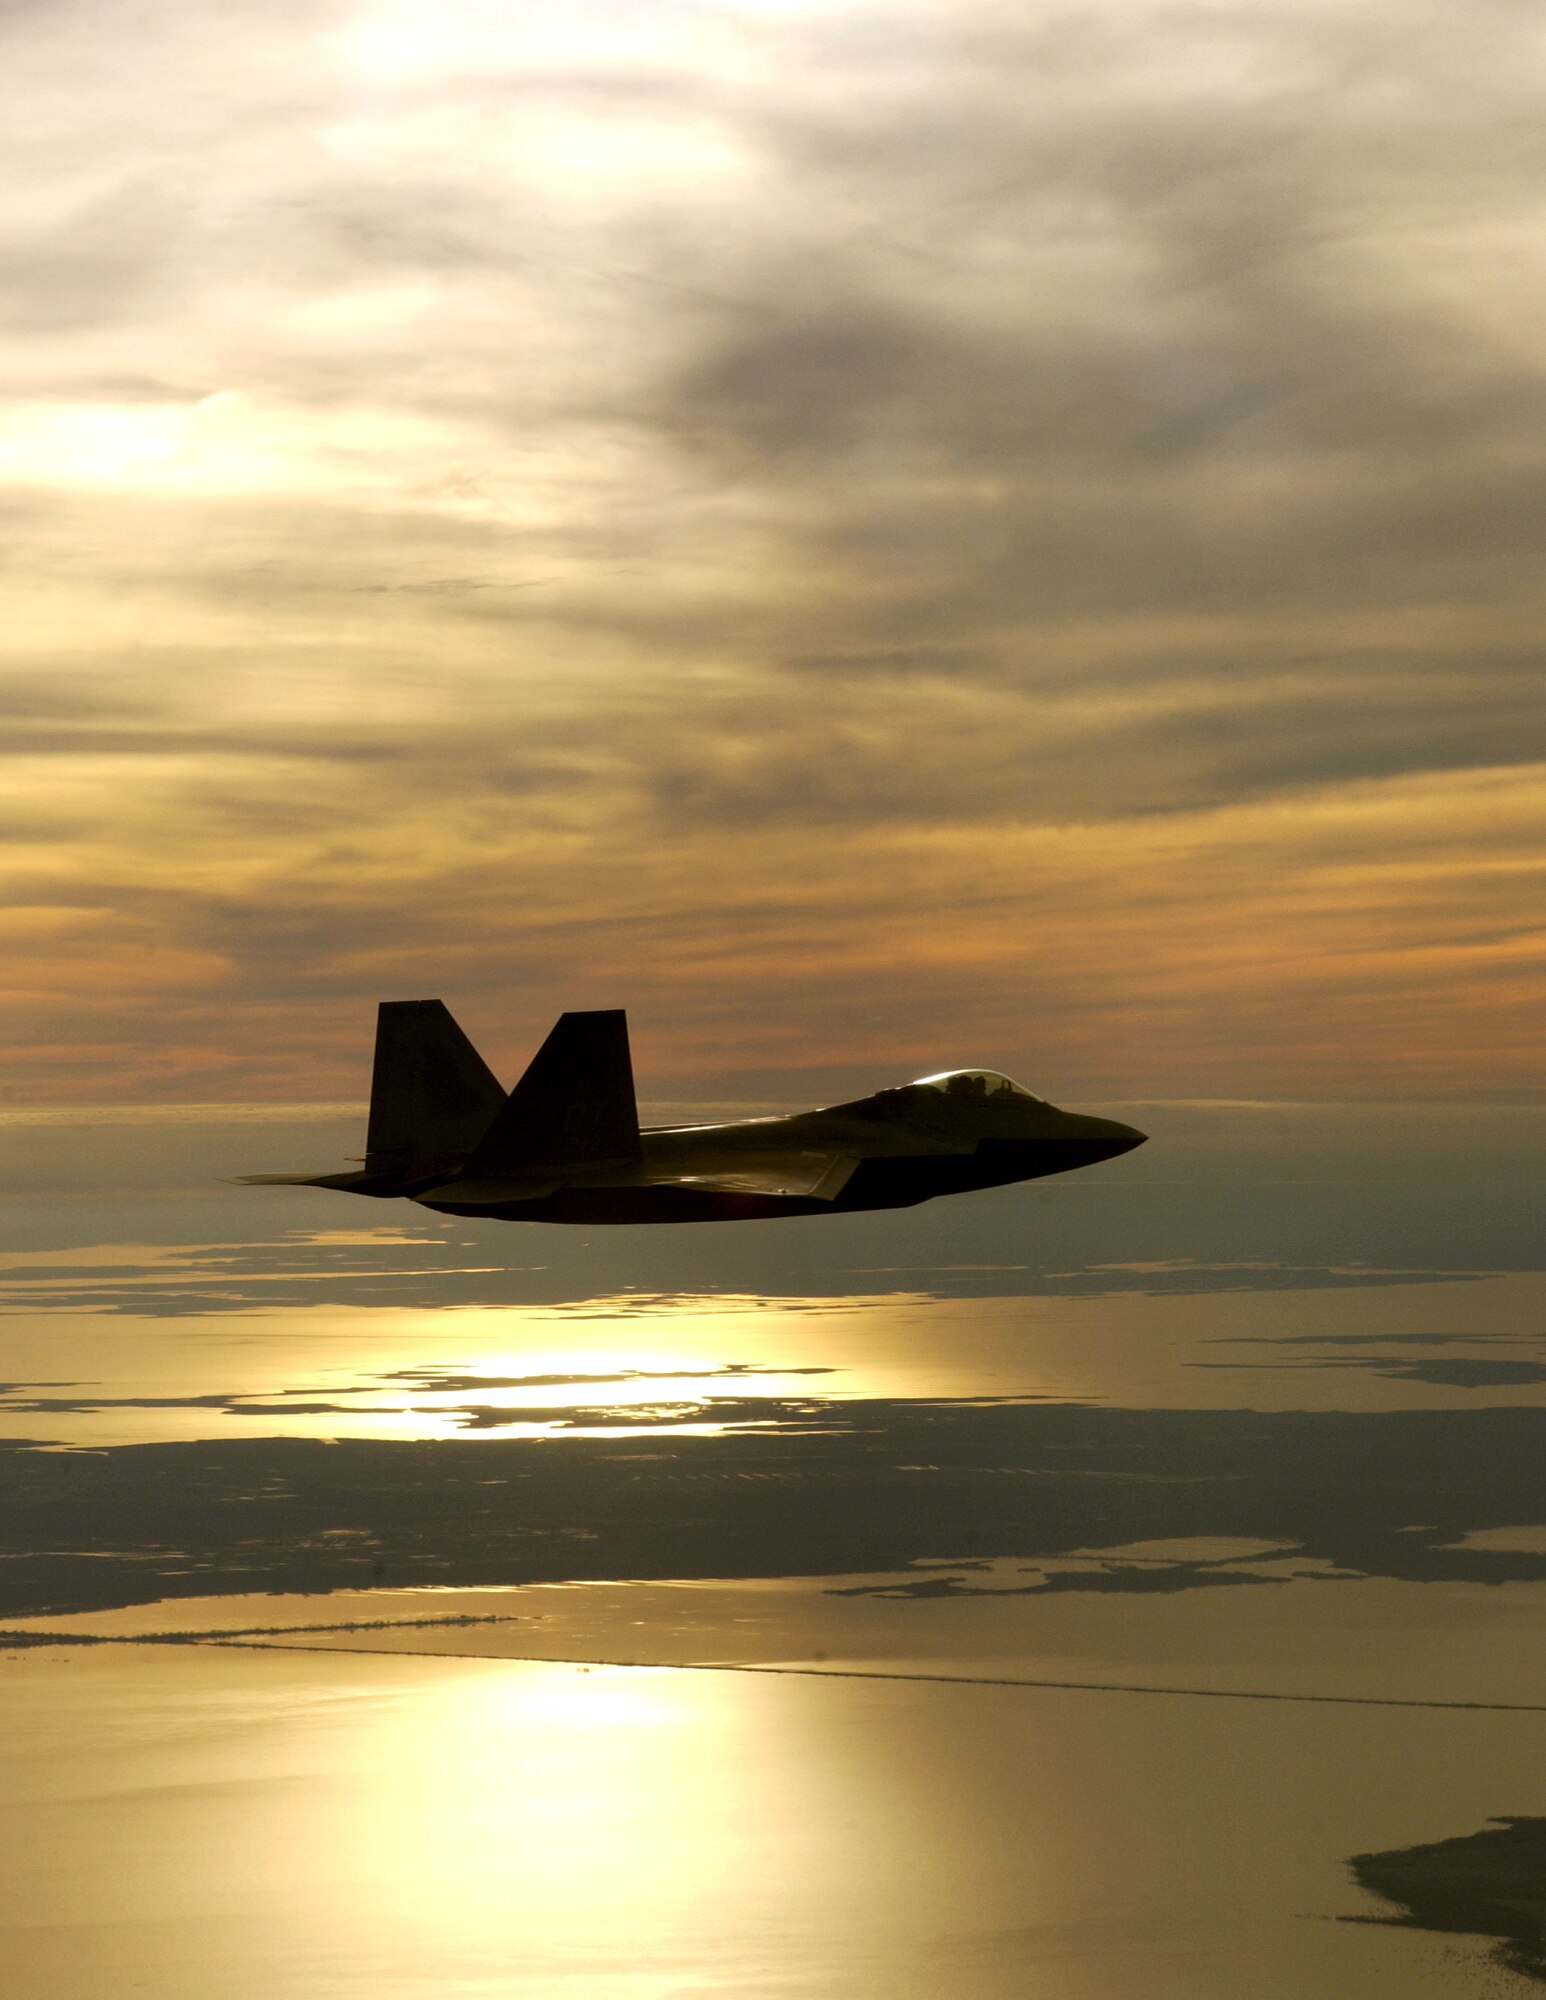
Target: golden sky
{"points": [[875, 536]]}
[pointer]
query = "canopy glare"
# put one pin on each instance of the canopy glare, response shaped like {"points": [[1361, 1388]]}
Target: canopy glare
{"points": [[978, 1084]]}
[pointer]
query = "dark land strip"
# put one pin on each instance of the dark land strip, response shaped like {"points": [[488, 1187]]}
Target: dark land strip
{"points": [[1488, 1884], [835, 1490]]}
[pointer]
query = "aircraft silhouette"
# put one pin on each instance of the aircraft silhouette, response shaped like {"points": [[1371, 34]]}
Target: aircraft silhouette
{"points": [[566, 1146]]}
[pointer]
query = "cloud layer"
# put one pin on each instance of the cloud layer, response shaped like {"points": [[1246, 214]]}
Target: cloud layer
{"points": [[870, 535]]}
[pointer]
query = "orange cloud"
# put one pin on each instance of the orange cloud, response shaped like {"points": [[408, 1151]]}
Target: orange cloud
{"points": [[1006, 545]]}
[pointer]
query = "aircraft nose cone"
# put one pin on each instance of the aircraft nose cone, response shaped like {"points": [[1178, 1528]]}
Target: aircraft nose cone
{"points": [[1120, 1138]]}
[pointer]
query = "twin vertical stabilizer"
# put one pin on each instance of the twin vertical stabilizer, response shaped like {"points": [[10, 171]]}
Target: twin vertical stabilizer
{"points": [[437, 1112], [436, 1108]]}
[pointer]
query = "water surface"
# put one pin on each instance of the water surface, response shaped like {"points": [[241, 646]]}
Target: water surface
{"points": [[1049, 1590]]}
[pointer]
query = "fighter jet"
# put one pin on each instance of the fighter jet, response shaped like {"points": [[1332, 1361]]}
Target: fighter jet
{"points": [[566, 1144]]}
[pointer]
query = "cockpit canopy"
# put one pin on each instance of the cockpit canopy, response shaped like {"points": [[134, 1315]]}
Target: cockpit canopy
{"points": [[981, 1086]]}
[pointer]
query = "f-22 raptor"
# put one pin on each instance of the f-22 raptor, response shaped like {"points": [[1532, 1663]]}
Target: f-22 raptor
{"points": [[566, 1145]]}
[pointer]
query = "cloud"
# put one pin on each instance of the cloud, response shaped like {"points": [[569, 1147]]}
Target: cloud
{"points": [[816, 522]]}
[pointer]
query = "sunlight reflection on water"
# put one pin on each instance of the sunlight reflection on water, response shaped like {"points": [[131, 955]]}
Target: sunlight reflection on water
{"points": [[256, 1825], [700, 1365], [1244, 1426]]}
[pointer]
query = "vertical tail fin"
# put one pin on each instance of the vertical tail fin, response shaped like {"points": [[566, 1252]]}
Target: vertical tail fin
{"points": [[432, 1096], [574, 1108]]}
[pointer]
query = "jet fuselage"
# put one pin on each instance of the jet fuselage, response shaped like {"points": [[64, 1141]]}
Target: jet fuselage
{"points": [[906, 1146], [565, 1145]]}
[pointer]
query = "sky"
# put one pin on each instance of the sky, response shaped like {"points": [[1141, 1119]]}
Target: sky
{"points": [[875, 536]]}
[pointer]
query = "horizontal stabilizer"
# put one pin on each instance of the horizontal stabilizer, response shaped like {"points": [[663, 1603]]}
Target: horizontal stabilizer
{"points": [[573, 1110], [346, 1181]]}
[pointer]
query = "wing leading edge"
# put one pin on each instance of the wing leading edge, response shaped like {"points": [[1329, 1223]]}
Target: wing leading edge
{"points": [[814, 1176]]}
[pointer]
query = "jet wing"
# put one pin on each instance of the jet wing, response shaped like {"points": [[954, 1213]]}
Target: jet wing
{"points": [[489, 1193], [817, 1176]]}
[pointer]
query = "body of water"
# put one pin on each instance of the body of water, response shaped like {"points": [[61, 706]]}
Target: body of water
{"points": [[1044, 1591]]}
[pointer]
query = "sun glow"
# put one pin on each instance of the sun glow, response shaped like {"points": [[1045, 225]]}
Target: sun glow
{"points": [[407, 41], [554, 1804]]}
